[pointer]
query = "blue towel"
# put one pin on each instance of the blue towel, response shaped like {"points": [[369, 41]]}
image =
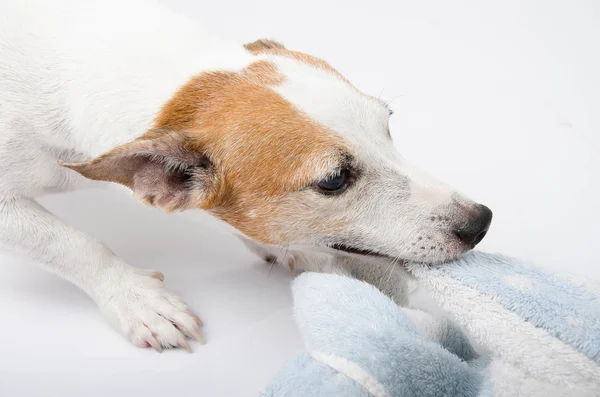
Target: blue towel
{"points": [[540, 331]]}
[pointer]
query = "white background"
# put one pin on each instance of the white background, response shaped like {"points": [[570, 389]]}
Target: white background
{"points": [[499, 98]]}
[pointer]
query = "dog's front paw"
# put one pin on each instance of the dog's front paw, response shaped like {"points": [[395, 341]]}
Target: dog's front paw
{"points": [[137, 305]]}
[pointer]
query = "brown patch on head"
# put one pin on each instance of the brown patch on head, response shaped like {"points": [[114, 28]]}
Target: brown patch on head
{"points": [[273, 48], [262, 146]]}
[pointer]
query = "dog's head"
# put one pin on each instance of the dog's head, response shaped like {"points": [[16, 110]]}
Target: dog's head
{"points": [[287, 151]]}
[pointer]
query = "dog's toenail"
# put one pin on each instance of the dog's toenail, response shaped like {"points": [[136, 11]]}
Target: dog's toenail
{"points": [[159, 276]]}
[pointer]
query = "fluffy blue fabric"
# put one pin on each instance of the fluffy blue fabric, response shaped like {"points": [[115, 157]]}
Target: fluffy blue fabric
{"points": [[567, 311], [542, 332]]}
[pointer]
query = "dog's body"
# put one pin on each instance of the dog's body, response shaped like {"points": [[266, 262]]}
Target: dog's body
{"points": [[273, 142]]}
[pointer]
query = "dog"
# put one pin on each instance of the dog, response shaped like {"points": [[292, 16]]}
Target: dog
{"points": [[275, 143]]}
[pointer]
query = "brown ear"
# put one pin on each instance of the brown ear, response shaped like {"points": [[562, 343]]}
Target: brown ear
{"points": [[164, 170], [263, 44]]}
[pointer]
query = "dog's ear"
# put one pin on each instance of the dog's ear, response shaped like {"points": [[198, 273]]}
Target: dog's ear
{"points": [[262, 45], [163, 169]]}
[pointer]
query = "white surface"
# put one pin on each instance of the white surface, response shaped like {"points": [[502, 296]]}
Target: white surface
{"points": [[499, 99]]}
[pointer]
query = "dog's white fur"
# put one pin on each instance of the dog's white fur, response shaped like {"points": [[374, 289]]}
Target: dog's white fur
{"points": [[79, 78]]}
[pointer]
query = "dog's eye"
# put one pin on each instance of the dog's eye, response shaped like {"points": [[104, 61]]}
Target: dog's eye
{"points": [[334, 184]]}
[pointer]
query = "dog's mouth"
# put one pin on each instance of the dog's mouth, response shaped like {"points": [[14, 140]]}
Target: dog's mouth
{"points": [[357, 251]]}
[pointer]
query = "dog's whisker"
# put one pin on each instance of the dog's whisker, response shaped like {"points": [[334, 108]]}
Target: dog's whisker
{"points": [[287, 248], [391, 267], [275, 259]]}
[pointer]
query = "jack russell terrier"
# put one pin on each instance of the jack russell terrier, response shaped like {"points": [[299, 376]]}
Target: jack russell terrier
{"points": [[274, 142]]}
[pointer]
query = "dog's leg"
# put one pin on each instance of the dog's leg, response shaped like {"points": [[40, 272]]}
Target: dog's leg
{"points": [[134, 300]]}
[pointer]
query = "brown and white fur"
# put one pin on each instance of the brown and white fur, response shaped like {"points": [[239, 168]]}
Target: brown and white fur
{"points": [[130, 93]]}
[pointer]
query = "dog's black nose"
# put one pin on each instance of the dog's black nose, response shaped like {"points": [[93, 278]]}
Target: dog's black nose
{"points": [[476, 227]]}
